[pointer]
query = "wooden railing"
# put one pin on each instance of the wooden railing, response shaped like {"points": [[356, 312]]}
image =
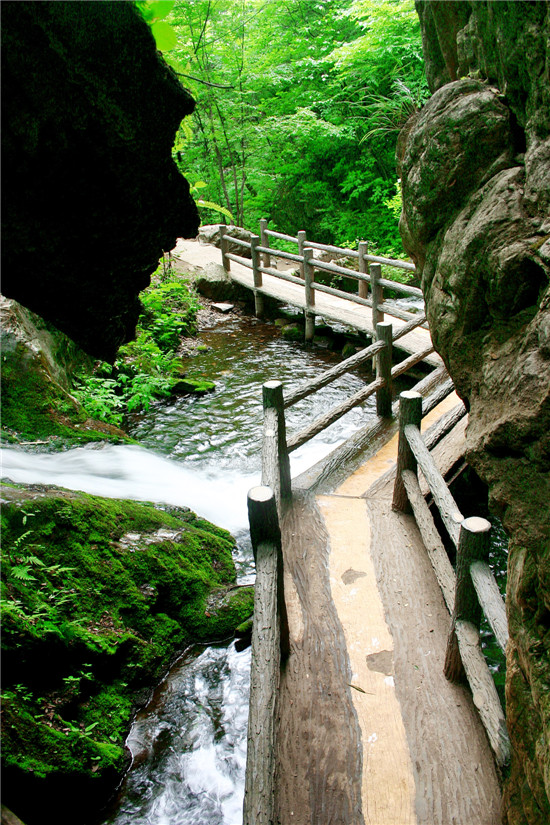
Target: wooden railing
{"points": [[269, 648], [472, 587], [306, 264], [277, 447]]}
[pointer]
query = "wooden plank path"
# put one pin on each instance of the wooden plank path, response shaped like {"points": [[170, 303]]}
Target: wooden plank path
{"points": [[369, 730], [329, 307]]}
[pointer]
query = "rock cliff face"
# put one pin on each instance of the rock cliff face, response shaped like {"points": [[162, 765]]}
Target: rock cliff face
{"points": [[475, 168], [91, 196]]}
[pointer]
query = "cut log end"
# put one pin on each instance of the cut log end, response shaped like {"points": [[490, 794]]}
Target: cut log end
{"points": [[260, 493]]}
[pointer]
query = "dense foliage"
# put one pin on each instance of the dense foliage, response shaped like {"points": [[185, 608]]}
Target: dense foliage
{"points": [[298, 109], [148, 367]]}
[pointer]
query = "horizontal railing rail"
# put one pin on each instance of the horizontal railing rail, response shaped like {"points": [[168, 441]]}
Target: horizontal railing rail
{"points": [[367, 273], [472, 588], [277, 447]]}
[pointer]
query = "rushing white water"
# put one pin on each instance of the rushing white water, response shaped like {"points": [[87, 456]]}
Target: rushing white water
{"points": [[189, 745], [127, 471]]}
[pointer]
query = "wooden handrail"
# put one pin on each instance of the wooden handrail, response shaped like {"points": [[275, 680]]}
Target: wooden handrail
{"points": [[275, 461], [270, 643], [473, 587], [361, 254], [330, 375], [490, 600], [333, 415], [450, 514]]}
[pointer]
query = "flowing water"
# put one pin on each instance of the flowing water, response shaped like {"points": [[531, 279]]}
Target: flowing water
{"points": [[189, 743]]}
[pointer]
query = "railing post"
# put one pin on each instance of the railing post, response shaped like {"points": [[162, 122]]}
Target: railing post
{"points": [[269, 630], [363, 249], [226, 263], [310, 293], [377, 291], [473, 545], [301, 246], [410, 412], [273, 399], [257, 277], [384, 333], [265, 242]]}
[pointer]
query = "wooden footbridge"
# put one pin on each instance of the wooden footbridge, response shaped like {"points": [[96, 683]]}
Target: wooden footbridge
{"points": [[266, 271], [371, 702]]}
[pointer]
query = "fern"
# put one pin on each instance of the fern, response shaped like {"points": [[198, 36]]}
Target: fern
{"points": [[22, 572]]}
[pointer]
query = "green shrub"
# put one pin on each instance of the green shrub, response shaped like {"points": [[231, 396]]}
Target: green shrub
{"points": [[148, 367]]}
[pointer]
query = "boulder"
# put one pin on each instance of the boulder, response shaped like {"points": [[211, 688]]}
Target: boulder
{"points": [[91, 195], [37, 362], [475, 170], [210, 234], [214, 282]]}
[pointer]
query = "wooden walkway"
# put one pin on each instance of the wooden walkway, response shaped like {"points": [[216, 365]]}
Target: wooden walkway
{"points": [[329, 307], [369, 730]]}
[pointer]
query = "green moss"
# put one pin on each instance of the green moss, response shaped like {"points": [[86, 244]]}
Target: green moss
{"points": [[194, 385], [34, 408], [98, 596], [292, 332], [34, 745]]}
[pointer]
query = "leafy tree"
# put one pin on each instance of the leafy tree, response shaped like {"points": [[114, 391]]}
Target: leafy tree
{"points": [[299, 104]]}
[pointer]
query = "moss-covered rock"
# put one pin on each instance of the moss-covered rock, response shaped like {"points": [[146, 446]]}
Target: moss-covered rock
{"points": [[37, 404], [292, 332], [98, 597]]}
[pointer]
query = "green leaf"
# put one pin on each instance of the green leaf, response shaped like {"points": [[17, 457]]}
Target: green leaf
{"points": [[145, 9], [161, 8], [91, 727], [217, 208], [22, 572], [165, 36]]}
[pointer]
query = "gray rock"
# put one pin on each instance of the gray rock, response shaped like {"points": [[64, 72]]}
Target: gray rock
{"points": [[83, 227], [211, 234], [475, 169]]}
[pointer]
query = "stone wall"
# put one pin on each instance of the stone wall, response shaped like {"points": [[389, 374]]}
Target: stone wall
{"points": [[475, 168], [90, 194]]}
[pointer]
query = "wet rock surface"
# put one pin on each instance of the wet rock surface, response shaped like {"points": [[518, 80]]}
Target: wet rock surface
{"points": [[475, 169]]}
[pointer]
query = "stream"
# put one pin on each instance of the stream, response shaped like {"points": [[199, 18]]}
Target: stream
{"points": [[189, 743]]}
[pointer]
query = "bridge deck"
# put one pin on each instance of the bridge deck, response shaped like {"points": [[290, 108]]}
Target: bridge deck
{"points": [[329, 307], [369, 729]]}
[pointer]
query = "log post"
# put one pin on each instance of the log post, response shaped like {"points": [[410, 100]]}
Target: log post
{"points": [[273, 399], [265, 533], [301, 246], [384, 333], [363, 249], [473, 545], [265, 242], [257, 276], [377, 294], [410, 412], [226, 263], [310, 293]]}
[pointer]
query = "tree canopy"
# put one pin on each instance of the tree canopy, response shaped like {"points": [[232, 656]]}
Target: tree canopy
{"points": [[299, 103]]}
